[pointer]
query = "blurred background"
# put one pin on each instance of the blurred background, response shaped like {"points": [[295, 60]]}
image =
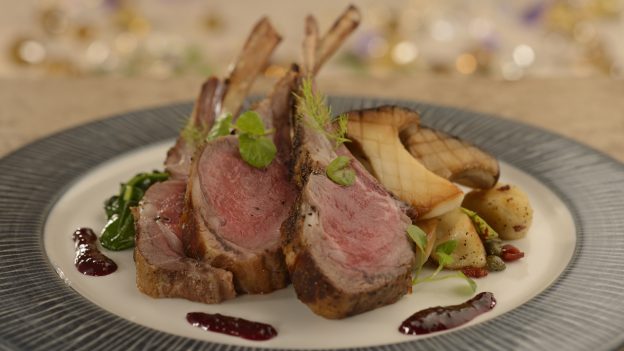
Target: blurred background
{"points": [[501, 40]]}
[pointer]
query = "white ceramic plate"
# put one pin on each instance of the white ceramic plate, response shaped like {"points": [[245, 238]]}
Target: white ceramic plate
{"points": [[58, 184], [549, 247]]}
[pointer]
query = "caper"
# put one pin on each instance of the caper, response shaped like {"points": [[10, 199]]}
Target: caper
{"points": [[494, 247], [495, 263]]}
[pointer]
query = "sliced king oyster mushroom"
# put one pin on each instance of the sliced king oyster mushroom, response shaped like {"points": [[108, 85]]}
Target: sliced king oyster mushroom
{"points": [[450, 157], [375, 139]]}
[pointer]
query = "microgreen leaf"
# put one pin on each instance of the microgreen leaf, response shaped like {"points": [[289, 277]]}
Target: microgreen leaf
{"points": [[484, 229], [443, 254], [257, 151], [444, 251], [444, 259], [250, 122], [418, 236], [339, 171], [446, 247], [255, 148], [459, 274], [221, 127], [470, 281]]}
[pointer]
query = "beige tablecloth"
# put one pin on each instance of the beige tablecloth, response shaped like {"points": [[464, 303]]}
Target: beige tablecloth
{"points": [[590, 111]]}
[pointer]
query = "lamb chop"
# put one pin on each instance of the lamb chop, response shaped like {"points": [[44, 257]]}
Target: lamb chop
{"points": [[233, 211], [225, 97], [346, 247], [163, 270]]}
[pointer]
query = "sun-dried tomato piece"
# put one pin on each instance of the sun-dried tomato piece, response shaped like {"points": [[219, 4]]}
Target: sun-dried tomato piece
{"points": [[511, 253], [475, 272]]}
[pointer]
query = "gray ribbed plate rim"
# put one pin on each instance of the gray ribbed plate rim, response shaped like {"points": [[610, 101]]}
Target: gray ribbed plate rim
{"points": [[582, 310]]}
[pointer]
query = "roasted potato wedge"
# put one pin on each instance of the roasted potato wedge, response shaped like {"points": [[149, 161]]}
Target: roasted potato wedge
{"points": [[456, 225], [506, 208]]}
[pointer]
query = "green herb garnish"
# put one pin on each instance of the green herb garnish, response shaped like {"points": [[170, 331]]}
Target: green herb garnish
{"points": [[483, 229], [191, 133], [313, 110], [339, 171], [419, 237], [221, 127], [250, 122], [118, 233], [254, 146], [257, 151], [443, 253], [312, 104]]}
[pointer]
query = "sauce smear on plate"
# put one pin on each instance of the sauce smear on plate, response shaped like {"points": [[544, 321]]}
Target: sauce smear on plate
{"points": [[231, 325], [446, 317], [89, 260]]}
